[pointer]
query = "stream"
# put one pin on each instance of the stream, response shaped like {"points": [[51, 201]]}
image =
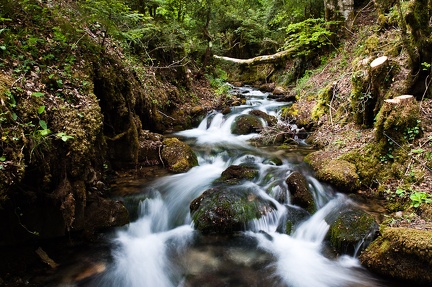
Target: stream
{"points": [[160, 247]]}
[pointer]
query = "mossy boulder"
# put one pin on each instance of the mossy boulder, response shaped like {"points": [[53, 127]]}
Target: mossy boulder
{"points": [[177, 155], [234, 174], [367, 162], [270, 120], [353, 226], [105, 213], [227, 210], [338, 172], [401, 253], [299, 191], [246, 124]]}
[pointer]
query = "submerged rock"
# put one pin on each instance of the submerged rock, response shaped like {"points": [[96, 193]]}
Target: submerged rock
{"points": [[292, 219], [178, 156], [401, 253], [354, 229], [300, 194], [227, 210]]}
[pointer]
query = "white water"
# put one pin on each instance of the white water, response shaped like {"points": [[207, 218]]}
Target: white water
{"points": [[159, 250]]}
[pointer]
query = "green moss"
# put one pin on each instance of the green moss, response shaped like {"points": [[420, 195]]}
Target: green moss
{"points": [[397, 124], [227, 210], [246, 124], [402, 253], [352, 226], [323, 102], [177, 155], [339, 172], [367, 163], [371, 43], [290, 112]]}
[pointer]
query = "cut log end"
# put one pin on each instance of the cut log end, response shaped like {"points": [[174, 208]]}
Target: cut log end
{"points": [[400, 99], [378, 62]]}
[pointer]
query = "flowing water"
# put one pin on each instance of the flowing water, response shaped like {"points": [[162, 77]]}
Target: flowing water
{"points": [[161, 249]]}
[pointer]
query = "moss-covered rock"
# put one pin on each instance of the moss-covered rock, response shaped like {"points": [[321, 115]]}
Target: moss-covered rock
{"points": [[338, 172], [234, 174], [270, 120], [367, 162], [353, 227], [299, 191], [401, 253], [341, 174], [103, 213], [246, 124], [227, 210], [177, 155]]}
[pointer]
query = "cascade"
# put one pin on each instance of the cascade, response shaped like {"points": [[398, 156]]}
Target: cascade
{"points": [[161, 248]]}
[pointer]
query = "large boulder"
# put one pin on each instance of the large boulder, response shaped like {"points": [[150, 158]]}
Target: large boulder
{"points": [[401, 253], [246, 124], [352, 231], [178, 156], [227, 210], [299, 191], [338, 172], [271, 120]]}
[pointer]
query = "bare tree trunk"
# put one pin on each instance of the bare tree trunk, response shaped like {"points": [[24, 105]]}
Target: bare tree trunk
{"points": [[266, 59]]}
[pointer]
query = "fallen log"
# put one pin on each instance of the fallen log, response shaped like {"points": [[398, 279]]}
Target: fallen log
{"points": [[265, 59]]}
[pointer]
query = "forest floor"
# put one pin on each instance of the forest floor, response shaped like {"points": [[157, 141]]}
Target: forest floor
{"points": [[335, 132]]}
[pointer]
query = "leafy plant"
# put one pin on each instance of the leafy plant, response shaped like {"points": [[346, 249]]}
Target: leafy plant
{"points": [[44, 131], [413, 132], [307, 37], [63, 136], [400, 192], [419, 197]]}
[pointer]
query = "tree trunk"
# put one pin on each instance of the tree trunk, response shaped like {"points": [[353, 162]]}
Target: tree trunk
{"points": [[266, 59]]}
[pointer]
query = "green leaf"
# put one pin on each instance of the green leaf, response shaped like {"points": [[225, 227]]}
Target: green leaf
{"points": [[41, 109], [44, 132], [2, 158], [43, 124], [63, 136], [38, 94]]}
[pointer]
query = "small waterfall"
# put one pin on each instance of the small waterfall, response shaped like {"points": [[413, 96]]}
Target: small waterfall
{"points": [[140, 256], [300, 263], [315, 229], [159, 249]]}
